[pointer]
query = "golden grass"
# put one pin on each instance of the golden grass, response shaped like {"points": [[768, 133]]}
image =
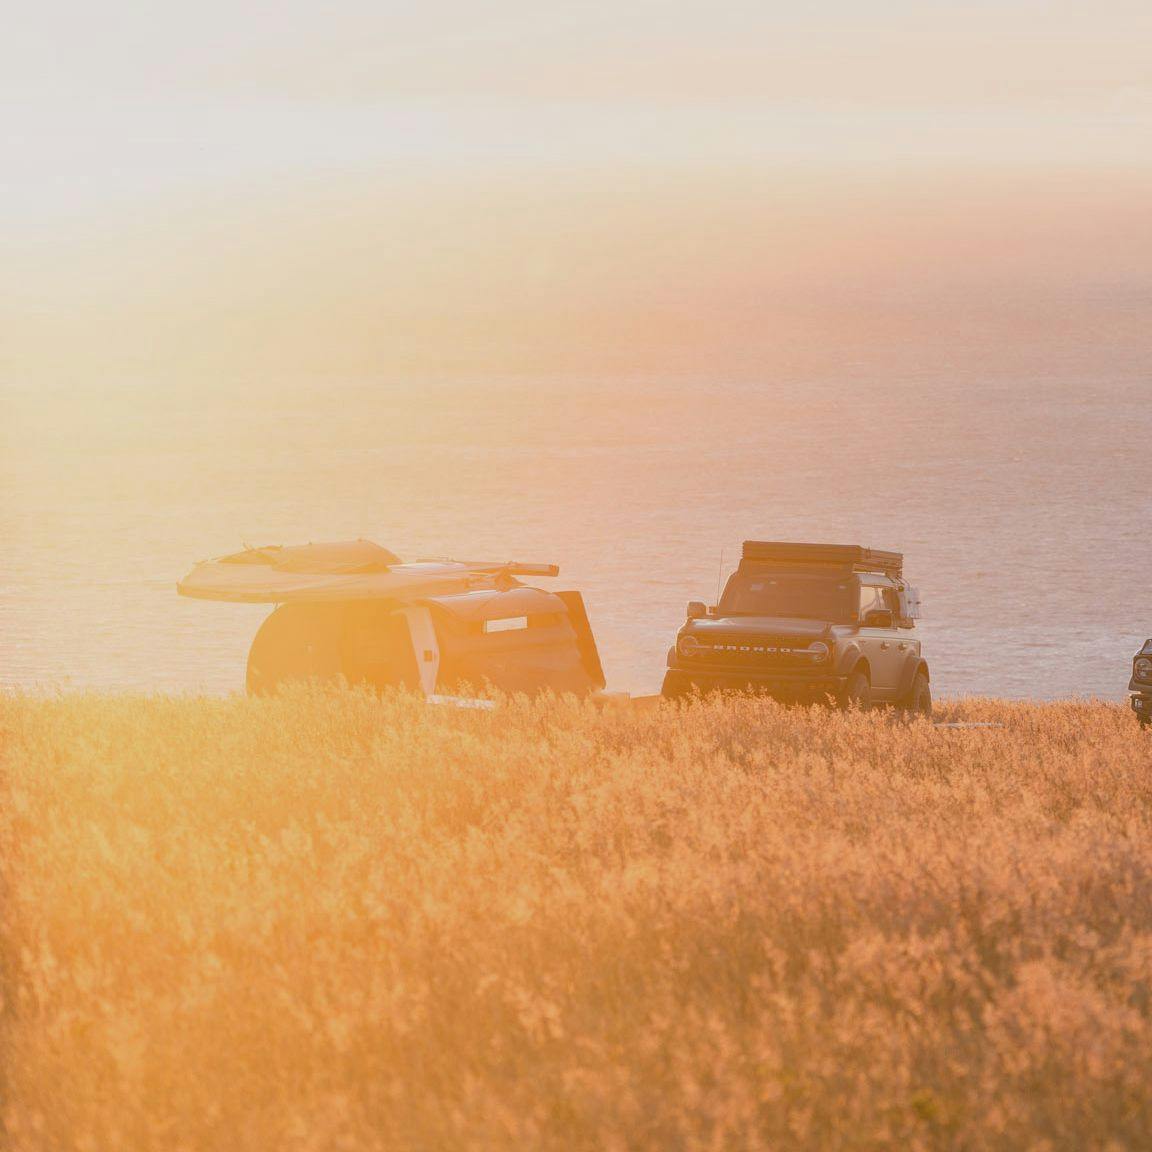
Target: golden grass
{"points": [[326, 922]]}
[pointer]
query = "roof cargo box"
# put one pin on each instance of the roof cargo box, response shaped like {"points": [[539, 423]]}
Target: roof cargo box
{"points": [[850, 556]]}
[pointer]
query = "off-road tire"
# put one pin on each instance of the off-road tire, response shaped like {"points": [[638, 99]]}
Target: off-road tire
{"points": [[918, 702], [674, 687], [857, 693], [1144, 722]]}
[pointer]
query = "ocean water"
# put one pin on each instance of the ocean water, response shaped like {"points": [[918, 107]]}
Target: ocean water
{"points": [[1022, 502]]}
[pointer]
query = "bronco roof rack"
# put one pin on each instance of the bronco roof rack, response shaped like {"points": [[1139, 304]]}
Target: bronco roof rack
{"points": [[851, 556]]}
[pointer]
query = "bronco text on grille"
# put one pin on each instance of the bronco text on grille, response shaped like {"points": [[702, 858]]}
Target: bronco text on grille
{"points": [[750, 649]]}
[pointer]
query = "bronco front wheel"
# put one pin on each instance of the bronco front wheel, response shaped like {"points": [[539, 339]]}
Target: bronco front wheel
{"points": [[857, 693], [918, 702]]}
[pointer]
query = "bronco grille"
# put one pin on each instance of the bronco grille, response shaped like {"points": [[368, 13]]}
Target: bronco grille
{"points": [[750, 650]]}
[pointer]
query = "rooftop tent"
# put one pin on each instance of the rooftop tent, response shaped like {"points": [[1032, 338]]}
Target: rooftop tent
{"points": [[305, 572], [319, 559], [850, 556], [357, 570]]}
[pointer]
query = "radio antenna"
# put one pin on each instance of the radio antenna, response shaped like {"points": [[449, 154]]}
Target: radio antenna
{"points": [[720, 574]]}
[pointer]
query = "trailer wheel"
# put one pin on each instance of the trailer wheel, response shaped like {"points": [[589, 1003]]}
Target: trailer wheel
{"points": [[297, 642]]}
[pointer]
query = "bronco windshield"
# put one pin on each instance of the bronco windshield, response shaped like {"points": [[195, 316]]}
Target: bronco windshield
{"points": [[809, 596]]}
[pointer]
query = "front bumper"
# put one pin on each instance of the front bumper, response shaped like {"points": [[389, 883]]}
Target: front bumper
{"points": [[782, 685], [1142, 705]]}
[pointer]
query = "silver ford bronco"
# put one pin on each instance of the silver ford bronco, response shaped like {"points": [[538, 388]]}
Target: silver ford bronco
{"points": [[808, 622]]}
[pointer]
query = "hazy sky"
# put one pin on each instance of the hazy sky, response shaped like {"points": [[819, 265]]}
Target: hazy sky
{"points": [[119, 97], [494, 173], [902, 51]]}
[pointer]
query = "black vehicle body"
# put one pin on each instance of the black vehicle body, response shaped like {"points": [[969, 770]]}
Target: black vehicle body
{"points": [[1140, 686], [862, 649]]}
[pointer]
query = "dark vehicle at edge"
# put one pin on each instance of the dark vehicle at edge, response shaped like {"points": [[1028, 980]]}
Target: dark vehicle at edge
{"points": [[1140, 686]]}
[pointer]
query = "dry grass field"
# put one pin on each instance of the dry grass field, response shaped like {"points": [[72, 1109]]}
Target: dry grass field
{"points": [[326, 922]]}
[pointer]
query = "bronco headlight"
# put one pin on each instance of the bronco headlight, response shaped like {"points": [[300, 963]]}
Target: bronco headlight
{"points": [[818, 650], [1142, 669], [688, 646]]}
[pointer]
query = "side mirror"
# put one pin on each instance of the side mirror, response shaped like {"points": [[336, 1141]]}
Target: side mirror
{"points": [[697, 609], [879, 618]]}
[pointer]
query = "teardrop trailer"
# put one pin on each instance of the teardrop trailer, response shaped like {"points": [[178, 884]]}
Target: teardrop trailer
{"points": [[355, 611]]}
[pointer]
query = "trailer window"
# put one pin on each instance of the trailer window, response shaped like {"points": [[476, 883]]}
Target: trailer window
{"points": [[508, 624]]}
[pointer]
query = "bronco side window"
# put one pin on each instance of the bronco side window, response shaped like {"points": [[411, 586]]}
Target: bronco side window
{"points": [[871, 600]]}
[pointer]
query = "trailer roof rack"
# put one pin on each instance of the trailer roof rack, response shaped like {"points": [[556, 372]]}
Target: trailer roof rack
{"points": [[851, 556]]}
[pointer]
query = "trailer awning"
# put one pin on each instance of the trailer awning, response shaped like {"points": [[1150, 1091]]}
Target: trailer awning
{"points": [[357, 570]]}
